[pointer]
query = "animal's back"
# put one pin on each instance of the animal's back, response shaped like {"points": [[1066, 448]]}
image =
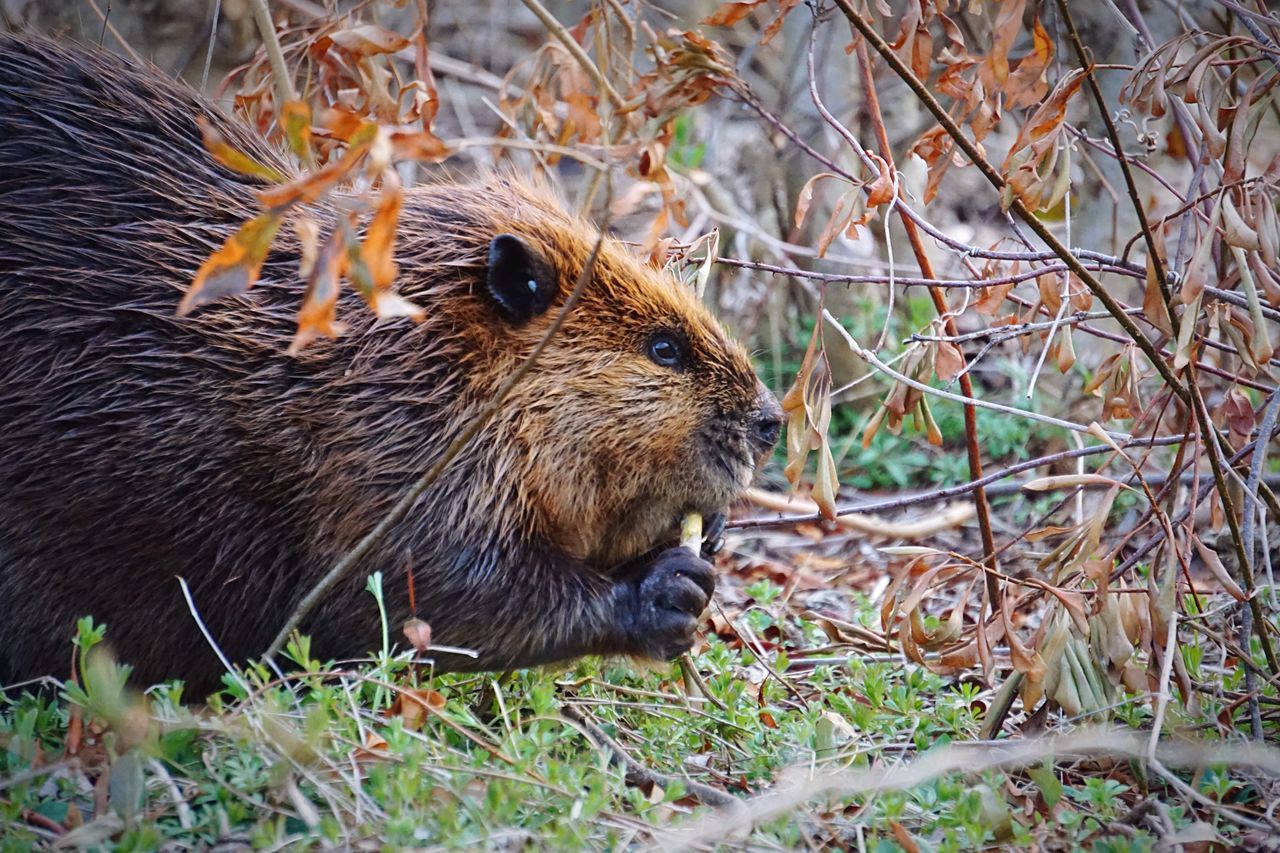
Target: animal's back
{"points": [[122, 432]]}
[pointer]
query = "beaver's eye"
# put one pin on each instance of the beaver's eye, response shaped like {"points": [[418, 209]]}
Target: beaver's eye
{"points": [[666, 349]]}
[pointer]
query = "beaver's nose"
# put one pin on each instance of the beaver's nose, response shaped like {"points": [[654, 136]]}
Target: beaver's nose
{"points": [[767, 423]]}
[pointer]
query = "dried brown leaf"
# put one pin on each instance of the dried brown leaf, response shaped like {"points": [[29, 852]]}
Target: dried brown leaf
{"points": [[234, 268], [368, 40], [234, 159]]}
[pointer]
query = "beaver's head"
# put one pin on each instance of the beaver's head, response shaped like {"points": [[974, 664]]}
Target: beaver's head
{"points": [[640, 409]]}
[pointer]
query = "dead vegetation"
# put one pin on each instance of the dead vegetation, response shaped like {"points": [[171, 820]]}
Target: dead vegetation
{"points": [[1009, 239]]}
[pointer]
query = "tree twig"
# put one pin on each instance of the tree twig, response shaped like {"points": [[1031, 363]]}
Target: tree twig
{"points": [[870, 357], [281, 83], [1153, 252], [1252, 514], [802, 787], [980, 503], [948, 492]]}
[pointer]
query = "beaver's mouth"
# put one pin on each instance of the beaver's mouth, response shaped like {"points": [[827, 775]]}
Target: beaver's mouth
{"points": [[729, 466]]}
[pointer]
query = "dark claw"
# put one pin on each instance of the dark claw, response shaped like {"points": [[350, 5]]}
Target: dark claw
{"points": [[713, 530]]}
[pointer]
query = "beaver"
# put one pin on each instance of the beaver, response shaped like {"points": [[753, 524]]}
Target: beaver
{"points": [[138, 446]]}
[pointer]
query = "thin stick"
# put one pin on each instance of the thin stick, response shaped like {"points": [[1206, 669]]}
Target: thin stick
{"points": [[939, 298], [281, 84], [204, 632], [107, 26], [1132, 187], [1163, 697], [972, 759], [1219, 465], [638, 774], [945, 519], [949, 492], [1251, 515], [213, 37]]}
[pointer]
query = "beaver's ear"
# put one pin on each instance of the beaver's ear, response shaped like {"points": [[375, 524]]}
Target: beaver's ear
{"points": [[523, 284]]}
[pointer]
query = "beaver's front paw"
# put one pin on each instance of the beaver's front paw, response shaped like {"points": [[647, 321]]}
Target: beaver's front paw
{"points": [[667, 599]]}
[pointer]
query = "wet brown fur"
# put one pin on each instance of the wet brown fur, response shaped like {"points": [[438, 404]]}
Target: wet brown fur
{"points": [[136, 446]]}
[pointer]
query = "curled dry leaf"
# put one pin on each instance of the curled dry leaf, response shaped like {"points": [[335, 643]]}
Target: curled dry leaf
{"points": [[1153, 304], [1027, 84], [1050, 286], [1197, 275], [991, 298], [1116, 381], [1025, 660], [841, 216], [1237, 411], [234, 268], [1033, 157], [418, 633], [420, 145], [775, 26], [1239, 330], [388, 305], [805, 198], [807, 407], [1069, 481], [1004, 33], [883, 189], [731, 13], [316, 316], [368, 40], [1214, 563], [295, 118], [310, 187], [308, 231], [413, 706], [948, 361], [235, 160], [1065, 351], [1260, 349], [1236, 231], [379, 241]]}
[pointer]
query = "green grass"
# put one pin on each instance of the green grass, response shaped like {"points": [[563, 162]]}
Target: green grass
{"points": [[327, 759]]}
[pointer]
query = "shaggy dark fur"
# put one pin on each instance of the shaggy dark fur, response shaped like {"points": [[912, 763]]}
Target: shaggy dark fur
{"points": [[137, 447]]}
